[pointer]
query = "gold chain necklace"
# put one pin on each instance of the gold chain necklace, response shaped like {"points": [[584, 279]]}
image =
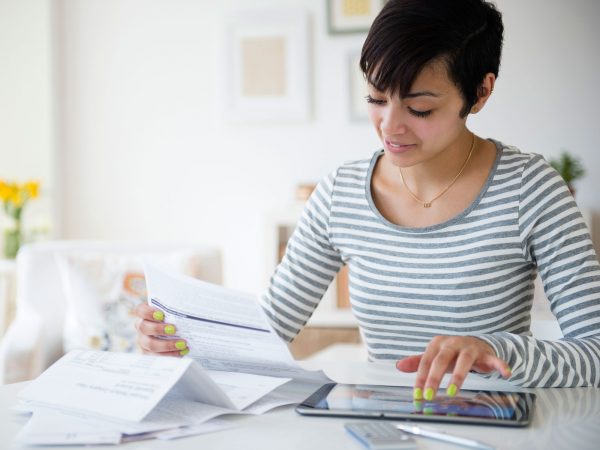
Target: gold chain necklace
{"points": [[443, 191]]}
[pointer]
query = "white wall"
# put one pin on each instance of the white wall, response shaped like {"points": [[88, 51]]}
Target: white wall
{"points": [[26, 93], [146, 156]]}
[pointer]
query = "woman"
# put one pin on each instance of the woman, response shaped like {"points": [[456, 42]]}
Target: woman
{"points": [[443, 231]]}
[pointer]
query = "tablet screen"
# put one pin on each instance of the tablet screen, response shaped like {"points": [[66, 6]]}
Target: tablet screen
{"points": [[490, 407]]}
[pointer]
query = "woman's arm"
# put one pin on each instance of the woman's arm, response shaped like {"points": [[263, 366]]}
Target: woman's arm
{"points": [[556, 239], [308, 266]]}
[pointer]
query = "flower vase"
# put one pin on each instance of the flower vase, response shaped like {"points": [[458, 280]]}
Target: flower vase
{"points": [[12, 241]]}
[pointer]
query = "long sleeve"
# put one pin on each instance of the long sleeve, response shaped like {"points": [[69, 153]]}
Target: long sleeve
{"points": [[555, 238], [308, 267]]}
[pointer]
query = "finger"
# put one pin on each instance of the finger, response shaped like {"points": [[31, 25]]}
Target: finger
{"points": [[439, 366], [175, 347], [177, 353], [150, 328], [500, 365], [462, 366], [409, 364], [147, 312], [425, 364]]}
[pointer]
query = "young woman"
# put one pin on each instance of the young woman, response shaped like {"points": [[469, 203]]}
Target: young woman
{"points": [[443, 231]]}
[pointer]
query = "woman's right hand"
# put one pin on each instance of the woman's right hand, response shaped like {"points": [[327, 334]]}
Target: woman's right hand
{"points": [[150, 328]]}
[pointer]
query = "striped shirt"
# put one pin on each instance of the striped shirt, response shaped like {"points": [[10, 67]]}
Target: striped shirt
{"points": [[471, 275]]}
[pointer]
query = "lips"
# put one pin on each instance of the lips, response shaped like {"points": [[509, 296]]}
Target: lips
{"points": [[397, 147]]}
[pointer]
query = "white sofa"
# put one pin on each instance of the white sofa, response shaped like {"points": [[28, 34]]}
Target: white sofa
{"points": [[34, 339]]}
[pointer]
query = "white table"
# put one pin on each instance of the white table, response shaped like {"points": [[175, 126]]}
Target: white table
{"points": [[563, 419]]}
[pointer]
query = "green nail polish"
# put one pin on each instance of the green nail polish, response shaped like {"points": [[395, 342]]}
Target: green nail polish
{"points": [[184, 352], [429, 394], [451, 391], [428, 411], [180, 345], [418, 394], [418, 405], [170, 329], [158, 315]]}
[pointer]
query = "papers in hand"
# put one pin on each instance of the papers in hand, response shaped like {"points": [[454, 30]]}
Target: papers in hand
{"points": [[225, 330]]}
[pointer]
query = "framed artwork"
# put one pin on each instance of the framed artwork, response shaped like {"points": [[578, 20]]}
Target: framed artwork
{"points": [[266, 66], [357, 89], [352, 16]]}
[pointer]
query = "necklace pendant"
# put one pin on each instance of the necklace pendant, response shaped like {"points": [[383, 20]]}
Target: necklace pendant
{"points": [[427, 205]]}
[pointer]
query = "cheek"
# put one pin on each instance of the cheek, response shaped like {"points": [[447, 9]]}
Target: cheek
{"points": [[441, 129], [375, 117]]}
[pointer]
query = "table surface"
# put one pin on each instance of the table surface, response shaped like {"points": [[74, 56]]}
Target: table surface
{"points": [[563, 419]]}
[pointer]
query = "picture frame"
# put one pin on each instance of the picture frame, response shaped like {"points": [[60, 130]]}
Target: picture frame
{"points": [[352, 16], [266, 66], [357, 90]]}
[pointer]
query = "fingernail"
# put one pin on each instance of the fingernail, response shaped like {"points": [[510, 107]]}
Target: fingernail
{"points": [[170, 329], [418, 394], [184, 352], [180, 345], [429, 393], [451, 391], [158, 316]]}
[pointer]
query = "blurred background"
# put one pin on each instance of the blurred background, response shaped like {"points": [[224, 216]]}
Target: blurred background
{"points": [[124, 111]]}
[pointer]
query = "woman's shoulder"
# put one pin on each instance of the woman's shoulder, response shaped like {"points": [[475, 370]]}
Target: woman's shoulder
{"points": [[357, 169], [513, 157], [351, 174]]}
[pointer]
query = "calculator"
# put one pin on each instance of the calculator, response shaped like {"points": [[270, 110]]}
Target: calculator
{"points": [[380, 436]]}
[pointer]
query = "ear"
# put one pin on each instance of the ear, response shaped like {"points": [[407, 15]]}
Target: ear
{"points": [[484, 91]]}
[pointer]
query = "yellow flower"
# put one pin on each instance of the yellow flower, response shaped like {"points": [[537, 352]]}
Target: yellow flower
{"points": [[16, 198], [5, 191], [32, 188]]}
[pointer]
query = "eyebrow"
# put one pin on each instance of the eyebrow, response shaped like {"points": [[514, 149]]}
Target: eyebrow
{"points": [[421, 94], [411, 94]]}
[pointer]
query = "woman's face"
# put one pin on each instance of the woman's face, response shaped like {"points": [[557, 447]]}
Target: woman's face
{"points": [[419, 127]]}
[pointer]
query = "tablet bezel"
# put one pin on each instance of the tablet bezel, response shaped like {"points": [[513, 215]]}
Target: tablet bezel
{"points": [[307, 408]]}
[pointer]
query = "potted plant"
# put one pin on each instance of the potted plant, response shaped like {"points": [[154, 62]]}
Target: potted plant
{"points": [[569, 167]]}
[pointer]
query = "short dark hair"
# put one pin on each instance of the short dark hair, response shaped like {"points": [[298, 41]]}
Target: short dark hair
{"points": [[409, 34]]}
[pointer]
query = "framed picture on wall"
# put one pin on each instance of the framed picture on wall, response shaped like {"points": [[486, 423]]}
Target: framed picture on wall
{"points": [[357, 102], [266, 66], [352, 16]]}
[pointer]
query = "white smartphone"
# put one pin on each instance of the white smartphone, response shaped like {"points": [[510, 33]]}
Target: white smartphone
{"points": [[380, 435]]}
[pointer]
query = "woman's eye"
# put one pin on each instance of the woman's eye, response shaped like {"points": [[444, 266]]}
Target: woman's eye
{"points": [[374, 100], [417, 113]]}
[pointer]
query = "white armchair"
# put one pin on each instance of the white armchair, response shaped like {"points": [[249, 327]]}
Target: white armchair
{"points": [[34, 340]]}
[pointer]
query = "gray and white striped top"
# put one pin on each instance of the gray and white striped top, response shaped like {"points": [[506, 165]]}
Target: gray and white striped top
{"points": [[471, 275]]}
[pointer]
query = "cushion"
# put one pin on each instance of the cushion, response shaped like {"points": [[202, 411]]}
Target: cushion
{"points": [[101, 293]]}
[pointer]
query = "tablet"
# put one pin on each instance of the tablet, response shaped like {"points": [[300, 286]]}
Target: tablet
{"points": [[393, 402]]}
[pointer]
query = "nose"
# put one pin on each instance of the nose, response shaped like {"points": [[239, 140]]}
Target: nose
{"points": [[393, 121]]}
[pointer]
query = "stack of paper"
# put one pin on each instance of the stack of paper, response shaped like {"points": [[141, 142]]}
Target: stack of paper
{"points": [[237, 365]]}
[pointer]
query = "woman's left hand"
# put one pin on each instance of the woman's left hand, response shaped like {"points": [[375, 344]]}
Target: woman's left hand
{"points": [[451, 354]]}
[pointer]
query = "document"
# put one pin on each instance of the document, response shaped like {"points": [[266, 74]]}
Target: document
{"points": [[120, 385], [225, 330], [47, 428], [97, 397]]}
